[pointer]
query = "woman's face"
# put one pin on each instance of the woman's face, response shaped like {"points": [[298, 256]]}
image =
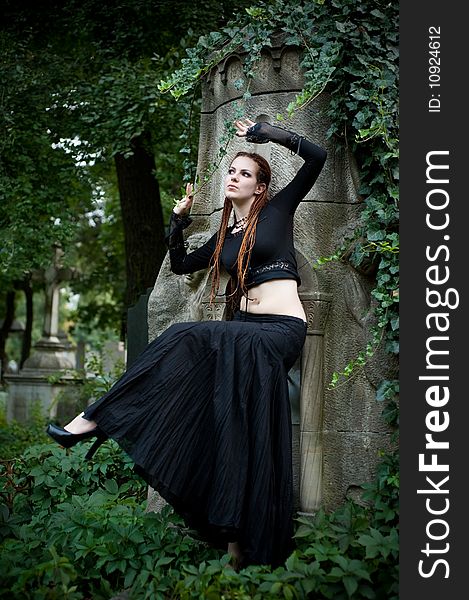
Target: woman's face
{"points": [[241, 180]]}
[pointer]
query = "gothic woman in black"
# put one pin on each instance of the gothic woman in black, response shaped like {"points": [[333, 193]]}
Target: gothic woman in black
{"points": [[204, 411]]}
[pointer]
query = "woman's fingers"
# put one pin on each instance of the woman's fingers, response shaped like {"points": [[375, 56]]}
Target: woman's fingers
{"points": [[242, 125], [241, 128], [189, 190], [184, 204]]}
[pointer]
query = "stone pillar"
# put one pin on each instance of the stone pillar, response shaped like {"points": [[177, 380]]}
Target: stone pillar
{"points": [[316, 305], [51, 352]]}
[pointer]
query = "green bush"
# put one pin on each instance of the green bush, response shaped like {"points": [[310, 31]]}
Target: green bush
{"points": [[73, 529], [77, 530], [15, 437]]}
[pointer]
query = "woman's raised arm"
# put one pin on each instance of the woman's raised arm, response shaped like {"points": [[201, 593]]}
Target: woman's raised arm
{"points": [[313, 155], [181, 262]]}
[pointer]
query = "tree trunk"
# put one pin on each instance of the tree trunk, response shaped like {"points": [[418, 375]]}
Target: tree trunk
{"points": [[5, 330], [142, 217]]}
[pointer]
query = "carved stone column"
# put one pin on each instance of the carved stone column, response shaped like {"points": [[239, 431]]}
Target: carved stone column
{"points": [[316, 305]]}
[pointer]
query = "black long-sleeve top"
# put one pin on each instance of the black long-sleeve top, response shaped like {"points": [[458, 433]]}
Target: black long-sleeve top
{"points": [[273, 254]]}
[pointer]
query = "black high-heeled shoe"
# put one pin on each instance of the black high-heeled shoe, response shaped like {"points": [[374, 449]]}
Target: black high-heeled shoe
{"points": [[66, 439]]}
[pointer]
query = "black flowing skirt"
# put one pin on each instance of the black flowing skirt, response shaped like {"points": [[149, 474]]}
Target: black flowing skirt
{"points": [[204, 413]]}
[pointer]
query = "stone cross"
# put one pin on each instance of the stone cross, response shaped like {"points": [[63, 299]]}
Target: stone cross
{"points": [[53, 278]]}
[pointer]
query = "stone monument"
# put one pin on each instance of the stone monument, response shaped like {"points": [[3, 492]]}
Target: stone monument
{"points": [[51, 356], [339, 432]]}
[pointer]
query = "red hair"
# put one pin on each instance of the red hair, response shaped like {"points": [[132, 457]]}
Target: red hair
{"points": [[263, 175]]}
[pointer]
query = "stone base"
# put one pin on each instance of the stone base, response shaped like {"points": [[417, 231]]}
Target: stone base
{"points": [[30, 391]]}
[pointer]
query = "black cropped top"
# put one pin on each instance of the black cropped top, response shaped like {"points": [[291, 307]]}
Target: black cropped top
{"points": [[273, 254]]}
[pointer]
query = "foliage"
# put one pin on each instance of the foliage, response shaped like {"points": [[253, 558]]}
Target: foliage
{"points": [[79, 82], [40, 188], [73, 529], [15, 437], [77, 530], [101, 280]]}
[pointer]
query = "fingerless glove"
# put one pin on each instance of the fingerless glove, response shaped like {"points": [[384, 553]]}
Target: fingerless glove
{"points": [[177, 224], [263, 132]]}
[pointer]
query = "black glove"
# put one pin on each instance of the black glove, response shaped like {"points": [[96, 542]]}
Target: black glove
{"points": [[263, 132], [174, 240]]}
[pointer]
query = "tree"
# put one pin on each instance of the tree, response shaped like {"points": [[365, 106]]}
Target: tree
{"points": [[40, 189], [92, 68]]}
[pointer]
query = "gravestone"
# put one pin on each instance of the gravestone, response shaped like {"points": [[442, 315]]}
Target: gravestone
{"points": [[51, 356], [137, 327]]}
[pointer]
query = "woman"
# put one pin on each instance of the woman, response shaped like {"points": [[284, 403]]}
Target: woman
{"points": [[204, 412]]}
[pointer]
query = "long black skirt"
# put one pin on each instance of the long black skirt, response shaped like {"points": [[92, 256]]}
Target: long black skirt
{"points": [[204, 413]]}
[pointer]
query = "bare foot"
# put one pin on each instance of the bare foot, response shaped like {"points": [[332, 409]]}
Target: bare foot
{"points": [[80, 425], [237, 556]]}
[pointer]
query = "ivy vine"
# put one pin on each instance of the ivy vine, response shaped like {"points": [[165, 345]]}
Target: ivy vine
{"points": [[350, 50]]}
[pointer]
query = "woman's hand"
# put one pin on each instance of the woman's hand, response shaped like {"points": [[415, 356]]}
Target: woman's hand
{"points": [[183, 206], [242, 126]]}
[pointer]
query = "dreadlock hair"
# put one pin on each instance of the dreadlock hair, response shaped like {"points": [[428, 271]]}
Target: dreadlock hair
{"points": [[264, 174]]}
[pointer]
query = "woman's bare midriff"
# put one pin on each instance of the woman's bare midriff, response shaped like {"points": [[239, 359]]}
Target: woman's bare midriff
{"points": [[274, 297]]}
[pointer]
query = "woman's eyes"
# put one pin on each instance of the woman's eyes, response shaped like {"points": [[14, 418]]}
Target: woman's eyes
{"points": [[245, 173]]}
